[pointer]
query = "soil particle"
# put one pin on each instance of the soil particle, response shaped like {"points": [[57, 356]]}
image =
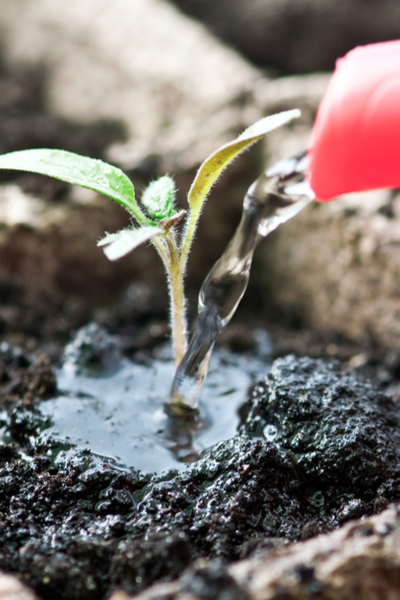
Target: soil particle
{"points": [[24, 379], [211, 581], [159, 557], [93, 351]]}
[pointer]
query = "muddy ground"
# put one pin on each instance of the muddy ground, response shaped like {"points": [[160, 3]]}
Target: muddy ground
{"points": [[318, 444]]}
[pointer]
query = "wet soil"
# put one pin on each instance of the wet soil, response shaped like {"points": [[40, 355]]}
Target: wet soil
{"points": [[318, 445]]}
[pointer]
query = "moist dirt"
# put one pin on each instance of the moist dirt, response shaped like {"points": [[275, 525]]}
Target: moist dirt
{"points": [[317, 446]]}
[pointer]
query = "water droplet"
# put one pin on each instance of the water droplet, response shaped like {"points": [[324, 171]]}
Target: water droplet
{"points": [[270, 432]]}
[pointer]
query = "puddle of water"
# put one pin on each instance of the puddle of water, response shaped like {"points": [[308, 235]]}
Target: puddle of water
{"points": [[121, 416]]}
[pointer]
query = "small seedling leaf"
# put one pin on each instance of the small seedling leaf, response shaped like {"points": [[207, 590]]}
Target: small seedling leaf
{"points": [[213, 166], [76, 169], [159, 198], [174, 220], [121, 243]]}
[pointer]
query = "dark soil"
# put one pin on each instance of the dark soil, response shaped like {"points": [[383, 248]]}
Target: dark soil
{"points": [[319, 446]]}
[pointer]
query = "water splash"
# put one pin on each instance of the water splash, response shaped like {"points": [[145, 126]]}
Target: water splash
{"points": [[277, 196]]}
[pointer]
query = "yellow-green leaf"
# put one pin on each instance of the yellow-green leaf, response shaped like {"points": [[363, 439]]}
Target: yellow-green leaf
{"points": [[213, 166]]}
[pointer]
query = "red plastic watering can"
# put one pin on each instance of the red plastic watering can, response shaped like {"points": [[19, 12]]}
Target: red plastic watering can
{"points": [[355, 142]]}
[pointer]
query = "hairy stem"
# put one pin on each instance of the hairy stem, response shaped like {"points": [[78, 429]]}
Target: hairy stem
{"points": [[177, 298], [178, 324]]}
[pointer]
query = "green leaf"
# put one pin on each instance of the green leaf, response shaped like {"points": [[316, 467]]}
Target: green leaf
{"points": [[121, 243], [159, 198], [79, 170], [213, 166]]}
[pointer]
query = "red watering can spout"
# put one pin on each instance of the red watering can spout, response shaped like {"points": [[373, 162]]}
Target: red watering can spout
{"points": [[355, 142]]}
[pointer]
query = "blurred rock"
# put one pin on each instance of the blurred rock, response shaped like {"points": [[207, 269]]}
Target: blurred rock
{"points": [[336, 267], [297, 37], [348, 563], [178, 90], [12, 589], [361, 560], [51, 272]]}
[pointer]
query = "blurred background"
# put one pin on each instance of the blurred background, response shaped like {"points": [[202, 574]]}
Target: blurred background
{"points": [[154, 87], [287, 36]]}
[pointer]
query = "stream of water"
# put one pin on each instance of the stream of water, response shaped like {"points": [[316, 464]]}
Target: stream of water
{"points": [[277, 196]]}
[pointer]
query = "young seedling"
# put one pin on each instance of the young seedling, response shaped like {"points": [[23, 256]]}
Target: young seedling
{"points": [[155, 218]]}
